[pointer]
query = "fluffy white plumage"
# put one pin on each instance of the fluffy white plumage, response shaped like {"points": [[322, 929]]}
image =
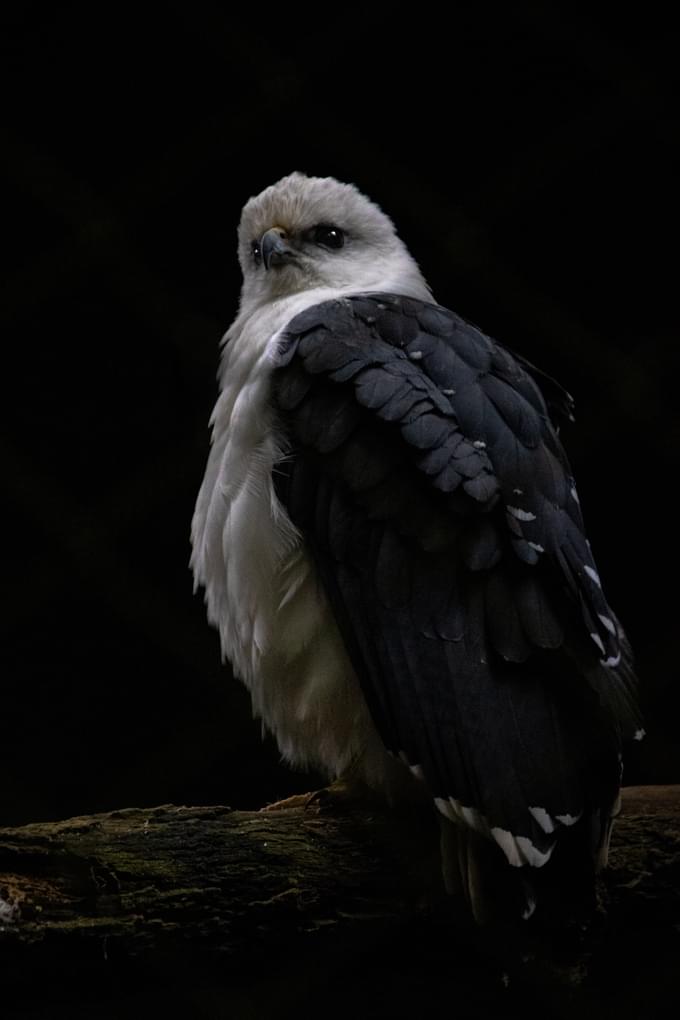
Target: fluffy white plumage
{"points": [[261, 588]]}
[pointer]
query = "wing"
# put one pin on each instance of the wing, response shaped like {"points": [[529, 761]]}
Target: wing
{"points": [[429, 482]]}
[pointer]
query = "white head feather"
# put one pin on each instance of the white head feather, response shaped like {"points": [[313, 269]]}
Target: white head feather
{"points": [[372, 257]]}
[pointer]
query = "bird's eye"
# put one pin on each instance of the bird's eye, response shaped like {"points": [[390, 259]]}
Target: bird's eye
{"points": [[256, 249], [328, 235]]}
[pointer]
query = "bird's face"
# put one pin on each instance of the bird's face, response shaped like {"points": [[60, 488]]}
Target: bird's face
{"points": [[305, 233]]}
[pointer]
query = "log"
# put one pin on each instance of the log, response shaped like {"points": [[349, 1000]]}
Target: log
{"points": [[148, 891]]}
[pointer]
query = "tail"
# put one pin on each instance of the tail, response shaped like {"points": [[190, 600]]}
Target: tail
{"points": [[476, 873], [560, 897]]}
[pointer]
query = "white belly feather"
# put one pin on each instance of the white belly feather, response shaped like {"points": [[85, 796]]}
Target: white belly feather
{"points": [[261, 588]]}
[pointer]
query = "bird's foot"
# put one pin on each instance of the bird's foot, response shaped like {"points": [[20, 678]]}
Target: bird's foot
{"points": [[298, 800], [341, 796]]}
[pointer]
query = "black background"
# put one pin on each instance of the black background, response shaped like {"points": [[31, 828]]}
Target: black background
{"points": [[528, 155]]}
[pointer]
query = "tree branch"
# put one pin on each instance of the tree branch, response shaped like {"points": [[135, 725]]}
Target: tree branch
{"points": [[153, 884]]}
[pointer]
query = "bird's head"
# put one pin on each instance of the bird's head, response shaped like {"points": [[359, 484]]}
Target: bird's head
{"points": [[306, 233]]}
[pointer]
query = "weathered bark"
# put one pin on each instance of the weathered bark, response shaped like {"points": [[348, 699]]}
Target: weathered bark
{"points": [[230, 888], [150, 879]]}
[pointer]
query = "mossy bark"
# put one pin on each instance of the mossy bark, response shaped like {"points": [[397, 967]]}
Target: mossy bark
{"points": [[224, 890]]}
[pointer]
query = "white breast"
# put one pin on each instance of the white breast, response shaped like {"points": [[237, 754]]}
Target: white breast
{"points": [[261, 588]]}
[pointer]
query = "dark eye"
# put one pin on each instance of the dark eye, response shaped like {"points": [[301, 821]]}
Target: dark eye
{"points": [[256, 250], [328, 235]]}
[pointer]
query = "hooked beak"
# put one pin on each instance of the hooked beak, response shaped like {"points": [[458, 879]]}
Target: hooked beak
{"points": [[276, 250]]}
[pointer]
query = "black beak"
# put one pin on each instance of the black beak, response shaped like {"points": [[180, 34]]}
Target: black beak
{"points": [[275, 248]]}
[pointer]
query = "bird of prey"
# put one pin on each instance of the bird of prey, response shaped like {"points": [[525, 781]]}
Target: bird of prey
{"points": [[391, 546]]}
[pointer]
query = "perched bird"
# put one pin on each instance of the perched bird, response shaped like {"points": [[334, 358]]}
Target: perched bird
{"points": [[391, 546]]}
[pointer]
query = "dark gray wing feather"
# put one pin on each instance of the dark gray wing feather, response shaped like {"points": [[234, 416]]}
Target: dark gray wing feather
{"points": [[430, 484]]}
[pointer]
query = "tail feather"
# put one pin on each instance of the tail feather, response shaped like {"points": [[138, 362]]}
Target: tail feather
{"points": [[476, 873], [559, 896]]}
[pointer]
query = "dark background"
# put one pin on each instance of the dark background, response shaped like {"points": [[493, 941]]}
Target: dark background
{"points": [[528, 155]]}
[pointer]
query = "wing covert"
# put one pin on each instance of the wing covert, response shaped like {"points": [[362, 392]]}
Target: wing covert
{"points": [[431, 486], [473, 424]]}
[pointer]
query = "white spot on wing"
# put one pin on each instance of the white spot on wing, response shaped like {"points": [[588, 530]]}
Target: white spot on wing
{"points": [[574, 495], [532, 855], [446, 808], [415, 355], [541, 816], [612, 661], [536, 546], [449, 393], [639, 734], [472, 817], [607, 623], [417, 770], [518, 492], [593, 575], [569, 819], [457, 812], [519, 514], [479, 444], [598, 641], [519, 850]]}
